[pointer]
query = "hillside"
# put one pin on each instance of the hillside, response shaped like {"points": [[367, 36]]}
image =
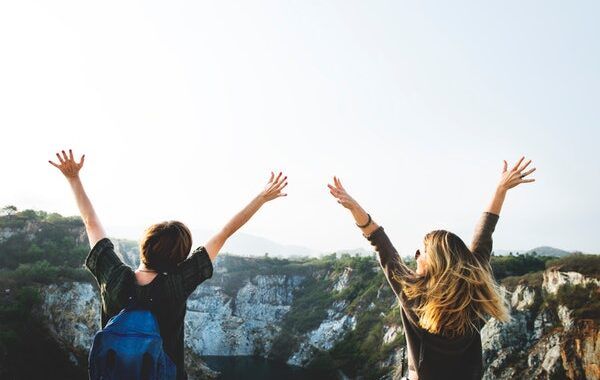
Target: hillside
{"points": [[331, 314]]}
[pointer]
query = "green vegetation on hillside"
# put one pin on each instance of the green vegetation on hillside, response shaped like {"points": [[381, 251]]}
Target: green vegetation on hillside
{"points": [[367, 297], [587, 265], [505, 266], [38, 248]]}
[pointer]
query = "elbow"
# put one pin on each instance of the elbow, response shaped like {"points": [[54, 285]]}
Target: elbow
{"points": [[225, 233], [221, 237], [91, 222]]}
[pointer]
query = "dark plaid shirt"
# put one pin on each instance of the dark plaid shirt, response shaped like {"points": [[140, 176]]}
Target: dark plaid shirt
{"points": [[170, 291]]}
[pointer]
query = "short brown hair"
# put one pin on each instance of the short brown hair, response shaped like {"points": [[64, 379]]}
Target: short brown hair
{"points": [[164, 245]]}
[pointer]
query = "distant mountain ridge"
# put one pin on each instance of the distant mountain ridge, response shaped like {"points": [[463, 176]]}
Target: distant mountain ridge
{"points": [[251, 245], [540, 251], [241, 243]]}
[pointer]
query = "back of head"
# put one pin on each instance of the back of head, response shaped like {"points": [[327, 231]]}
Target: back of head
{"points": [[457, 290], [165, 245]]}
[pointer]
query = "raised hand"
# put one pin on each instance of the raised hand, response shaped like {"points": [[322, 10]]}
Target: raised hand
{"points": [[516, 175], [510, 178], [68, 166], [361, 217], [273, 188], [342, 195]]}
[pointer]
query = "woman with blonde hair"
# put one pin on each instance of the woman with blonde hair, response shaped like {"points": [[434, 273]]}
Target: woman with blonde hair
{"points": [[447, 299], [168, 273]]}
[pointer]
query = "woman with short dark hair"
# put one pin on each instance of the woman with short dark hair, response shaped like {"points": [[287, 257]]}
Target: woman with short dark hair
{"points": [[167, 271], [447, 299]]}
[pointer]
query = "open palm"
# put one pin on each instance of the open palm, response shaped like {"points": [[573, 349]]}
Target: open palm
{"points": [[68, 166], [274, 186], [516, 175], [341, 195]]}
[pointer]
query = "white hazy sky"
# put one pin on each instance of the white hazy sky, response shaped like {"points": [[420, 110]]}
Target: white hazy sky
{"points": [[183, 107]]}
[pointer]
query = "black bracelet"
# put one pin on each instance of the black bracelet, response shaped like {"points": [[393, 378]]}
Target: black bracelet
{"points": [[366, 224]]}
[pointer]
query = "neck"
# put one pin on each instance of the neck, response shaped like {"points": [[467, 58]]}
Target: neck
{"points": [[142, 268]]}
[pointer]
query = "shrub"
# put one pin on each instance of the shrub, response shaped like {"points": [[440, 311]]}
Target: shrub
{"points": [[584, 301], [588, 265]]}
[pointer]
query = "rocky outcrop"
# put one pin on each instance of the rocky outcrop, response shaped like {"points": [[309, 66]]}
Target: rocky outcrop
{"points": [[72, 314], [342, 281], [554, 279], [581, 359], [540, 342], [215, 324], [6, 233], [324, 337], [247, 324]]}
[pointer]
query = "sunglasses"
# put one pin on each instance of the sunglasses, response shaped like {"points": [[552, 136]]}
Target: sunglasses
{"points": [[417, 254]]}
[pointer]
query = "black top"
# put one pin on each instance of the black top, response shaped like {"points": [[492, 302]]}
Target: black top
{"points": [[433, 356], [170, 291]]}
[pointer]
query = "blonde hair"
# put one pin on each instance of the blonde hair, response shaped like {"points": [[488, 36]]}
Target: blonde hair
{"points": [[458, 289], [164, 245]]}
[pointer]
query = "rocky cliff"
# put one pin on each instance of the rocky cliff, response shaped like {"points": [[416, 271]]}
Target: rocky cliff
{"points": [[334, 312], [543, 340]]}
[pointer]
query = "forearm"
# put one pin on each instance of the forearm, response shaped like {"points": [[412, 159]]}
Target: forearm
{"points": [[361, 217], [92, 223], [242, 217], [214, 245], [497, 201]]}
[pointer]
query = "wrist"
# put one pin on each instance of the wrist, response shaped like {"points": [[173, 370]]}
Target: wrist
{"points": [[260, 199], [501, 190], [360, 215], [74, 179], [367, 223], [356, 209]]}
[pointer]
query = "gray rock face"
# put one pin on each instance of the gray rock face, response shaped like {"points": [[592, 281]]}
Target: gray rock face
{"points": [[6, 233], [342, 281], [545, 358], [217, 324], [539, 343], [72, 312], [522, 298], [323, 338]]}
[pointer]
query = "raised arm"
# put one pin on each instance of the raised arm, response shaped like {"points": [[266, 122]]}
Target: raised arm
{"points": [[389, 259], [272, 190], [482, 239], [70, 169]]}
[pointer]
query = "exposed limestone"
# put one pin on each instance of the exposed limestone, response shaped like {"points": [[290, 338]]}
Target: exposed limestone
{"points": [[537, 343], [217, 324], [522, 298], [554, 279], [323, 337], [390, 333], [342, 281]]}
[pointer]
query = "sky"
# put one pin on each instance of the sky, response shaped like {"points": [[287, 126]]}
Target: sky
{"points": [[183, 108]]}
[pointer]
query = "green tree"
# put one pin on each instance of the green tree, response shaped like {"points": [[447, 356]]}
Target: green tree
{"points": [[9, 210]]}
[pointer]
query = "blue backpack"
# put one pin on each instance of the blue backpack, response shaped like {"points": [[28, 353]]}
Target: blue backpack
{"points": [[130, 347]]}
